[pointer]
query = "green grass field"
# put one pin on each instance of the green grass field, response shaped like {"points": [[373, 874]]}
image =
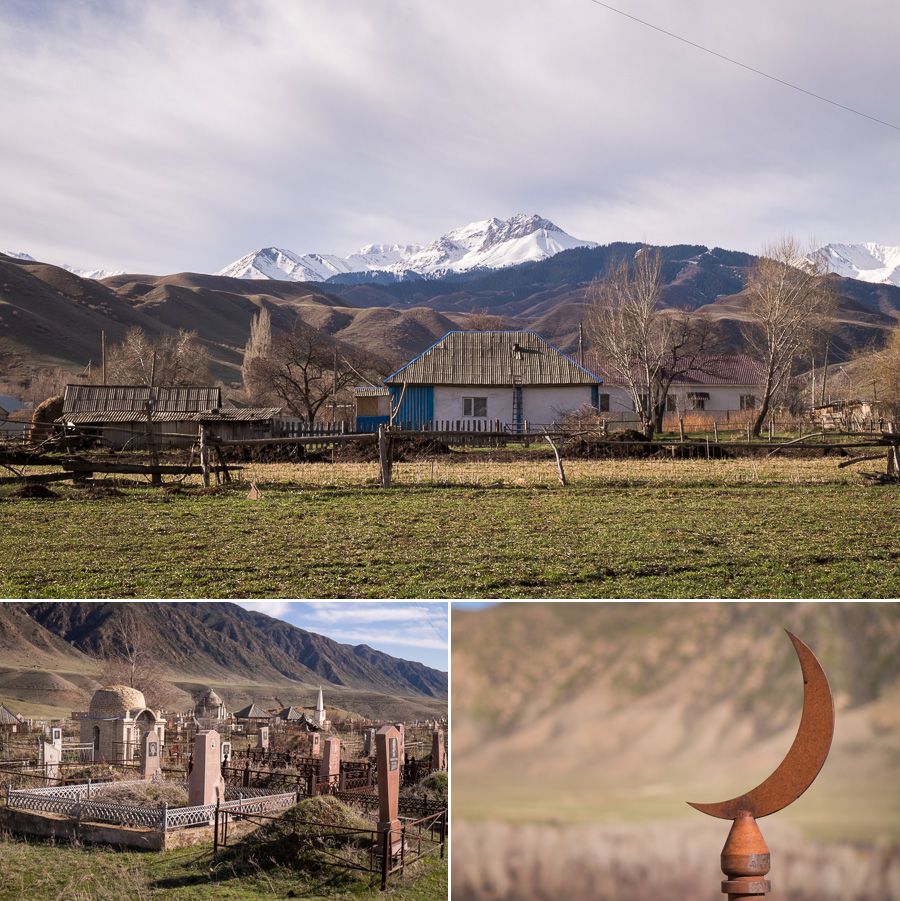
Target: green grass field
{"points": [[37, 870], [741, 528]]}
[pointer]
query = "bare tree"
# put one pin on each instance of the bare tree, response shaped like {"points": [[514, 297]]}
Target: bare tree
{"points": [[172, 359], [258, 347], [132, 661], [790, 306], [305, 369], [643, 345], [878, 374]]}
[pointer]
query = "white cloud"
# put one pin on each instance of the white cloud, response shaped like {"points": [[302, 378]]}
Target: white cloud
{"points": [[175, 135], [276, 609]]}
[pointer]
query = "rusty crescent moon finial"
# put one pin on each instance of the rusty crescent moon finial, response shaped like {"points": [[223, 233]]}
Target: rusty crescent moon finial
{"points": [[806, 756]]}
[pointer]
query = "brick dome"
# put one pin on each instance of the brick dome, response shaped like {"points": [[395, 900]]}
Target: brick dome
{"points": [[116, 700]]}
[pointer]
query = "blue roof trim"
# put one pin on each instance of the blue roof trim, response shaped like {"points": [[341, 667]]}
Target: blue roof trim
{"points": [[496, 331]]}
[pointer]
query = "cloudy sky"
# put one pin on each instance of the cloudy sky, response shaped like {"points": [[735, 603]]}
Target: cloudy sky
{"points": [[181, 134], [409, 630]]}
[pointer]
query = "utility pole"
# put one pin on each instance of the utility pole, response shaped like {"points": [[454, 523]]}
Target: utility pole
{"points": [[581, 343], [103, 353], [334, 388]]}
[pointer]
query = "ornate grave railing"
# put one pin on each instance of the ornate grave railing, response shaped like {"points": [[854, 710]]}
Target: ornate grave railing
{"points": [[85, 802]]}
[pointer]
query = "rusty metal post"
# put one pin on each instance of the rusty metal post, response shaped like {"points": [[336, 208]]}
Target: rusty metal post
{"points": [[745, 860]]}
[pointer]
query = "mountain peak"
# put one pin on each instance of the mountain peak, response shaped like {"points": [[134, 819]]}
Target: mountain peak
{"points": [[484, 244], [868, 262]]}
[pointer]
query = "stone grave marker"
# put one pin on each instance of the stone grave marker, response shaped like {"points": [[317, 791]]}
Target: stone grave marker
{"points": [[262, 738], [151, 767], [438, 751], [50, 756], [56, 737], [226, 752], [330, 767], [369, 743], [205, 784], [388, 761], [315, 744], [401, 728]]}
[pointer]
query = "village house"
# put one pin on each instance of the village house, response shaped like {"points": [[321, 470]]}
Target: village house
{"points": [[125, 415], [475, 379], [719, 384]]}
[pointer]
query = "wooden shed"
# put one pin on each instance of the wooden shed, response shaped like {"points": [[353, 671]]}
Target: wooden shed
{"points": [[131, 416]]}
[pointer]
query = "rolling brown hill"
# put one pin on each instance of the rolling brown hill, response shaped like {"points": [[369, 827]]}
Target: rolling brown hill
{"points": [[50, 317], [52, 656], [622, 712]]}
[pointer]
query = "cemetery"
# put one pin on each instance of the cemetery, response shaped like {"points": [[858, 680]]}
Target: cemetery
{"points": [[359, 796]]}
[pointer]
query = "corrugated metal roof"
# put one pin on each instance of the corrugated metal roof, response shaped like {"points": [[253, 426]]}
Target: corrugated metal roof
{"points": [[711, 369], [134, 398], [492, 358], [370, 391], [243, 414], [8, 718]]}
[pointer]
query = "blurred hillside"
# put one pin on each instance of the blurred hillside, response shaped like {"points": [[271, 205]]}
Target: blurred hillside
{"points": [[577, 713]]}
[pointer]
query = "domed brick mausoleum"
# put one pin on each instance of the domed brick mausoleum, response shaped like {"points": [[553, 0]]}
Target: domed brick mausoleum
{"points": [[116, 722], [210, 706]]}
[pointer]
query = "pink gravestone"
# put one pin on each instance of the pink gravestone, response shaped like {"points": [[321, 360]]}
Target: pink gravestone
{"points": [[151, 768], [438, 751], [330, 767], [205, 784], [315, 744], [388, 760]]}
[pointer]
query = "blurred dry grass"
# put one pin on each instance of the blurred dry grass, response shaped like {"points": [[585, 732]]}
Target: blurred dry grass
{"points": [[501, 862], [532, 473]]}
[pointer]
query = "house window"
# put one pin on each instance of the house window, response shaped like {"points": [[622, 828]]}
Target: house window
{"points": [[698, 400], [603, 403], [748, 401], [474, 406], [671, 404]]}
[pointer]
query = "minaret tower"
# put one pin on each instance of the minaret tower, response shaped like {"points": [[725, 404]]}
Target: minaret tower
{"points": [[320, 710]]}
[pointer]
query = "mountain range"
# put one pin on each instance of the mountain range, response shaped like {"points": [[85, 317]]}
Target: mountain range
{"points": [[487, 244], [50, 317], [51, 655]]}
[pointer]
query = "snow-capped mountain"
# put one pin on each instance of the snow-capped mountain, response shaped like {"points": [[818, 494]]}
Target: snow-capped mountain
{"points": [[876, 263], [487, 244], [84, 273]]}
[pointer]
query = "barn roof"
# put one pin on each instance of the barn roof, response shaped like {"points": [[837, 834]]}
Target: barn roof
{"points": [[370, 391], [242, 414], [500, 358], [134, 399]]}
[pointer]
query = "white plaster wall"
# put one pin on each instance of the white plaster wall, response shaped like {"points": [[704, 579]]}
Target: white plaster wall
{"points": [[721, 397], [544, 404], [448, 402]]}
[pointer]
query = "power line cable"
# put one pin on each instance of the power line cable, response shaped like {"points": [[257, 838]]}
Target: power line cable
{"points": [[749, 68]]}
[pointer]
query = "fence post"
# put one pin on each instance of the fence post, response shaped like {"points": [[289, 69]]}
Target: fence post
{"points": [[680, 429], [204, 456], [716, 431], [216, 832], [385, 858]]}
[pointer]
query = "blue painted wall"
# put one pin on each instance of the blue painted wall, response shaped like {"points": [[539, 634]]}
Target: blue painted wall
{"points": [[417, 408], [370, 423]]}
